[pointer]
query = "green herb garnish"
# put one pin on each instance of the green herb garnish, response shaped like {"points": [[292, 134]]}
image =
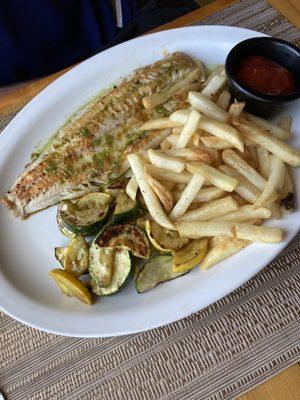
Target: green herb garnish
{"points": [[109, 140], [84, 132], [133, 138]]}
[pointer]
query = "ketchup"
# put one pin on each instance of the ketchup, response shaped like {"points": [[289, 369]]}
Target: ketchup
{"points": [[266, 76]]}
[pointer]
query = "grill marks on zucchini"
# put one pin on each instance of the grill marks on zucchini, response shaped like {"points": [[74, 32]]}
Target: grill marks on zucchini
{"points": [[108, 260], [127, 236], [84, 216]]}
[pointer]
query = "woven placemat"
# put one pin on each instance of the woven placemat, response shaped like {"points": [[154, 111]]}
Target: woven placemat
{"points": [[217, 353]]}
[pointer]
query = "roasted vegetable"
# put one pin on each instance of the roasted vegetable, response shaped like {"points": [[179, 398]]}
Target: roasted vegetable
{"points": [[122, 271], [189, 255], [125, 235], [126, 209], [60, 253], [86, 215], [157, 270], [62, 227], [101, 264], [163, 239], [71, 286], [76, 257]]}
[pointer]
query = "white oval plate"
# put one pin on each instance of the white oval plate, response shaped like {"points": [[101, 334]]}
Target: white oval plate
{"points": [[26, 247]]}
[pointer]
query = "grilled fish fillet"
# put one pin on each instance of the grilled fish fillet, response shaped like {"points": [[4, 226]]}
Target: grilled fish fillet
{"points": [[87, 153]]}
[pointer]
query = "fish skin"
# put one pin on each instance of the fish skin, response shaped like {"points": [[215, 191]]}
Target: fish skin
{"points": [[88, 152]]}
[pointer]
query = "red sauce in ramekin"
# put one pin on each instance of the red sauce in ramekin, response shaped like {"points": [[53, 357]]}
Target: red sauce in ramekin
{"points": [[265, 76]]}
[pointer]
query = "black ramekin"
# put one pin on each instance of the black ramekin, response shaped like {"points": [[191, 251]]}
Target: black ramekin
{"points": [[277, 50]]}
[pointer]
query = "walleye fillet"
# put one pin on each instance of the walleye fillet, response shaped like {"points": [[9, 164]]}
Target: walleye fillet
{"points": [[87, 153]]}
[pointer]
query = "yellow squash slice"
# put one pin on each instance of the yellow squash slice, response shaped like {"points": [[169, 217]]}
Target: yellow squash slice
{"points": [[71, 286], [76, 257], [163, 239], [190, 255]]}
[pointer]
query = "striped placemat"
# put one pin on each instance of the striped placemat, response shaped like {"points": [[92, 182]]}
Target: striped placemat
{"points": [[217, 353]]}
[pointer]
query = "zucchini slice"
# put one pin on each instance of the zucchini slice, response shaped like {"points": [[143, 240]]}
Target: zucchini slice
{"points": [[125, 235], [60, 253], [101, 264], [157, 270], [126, 209], [71, 286], [76, 256], [122, 273], [62, 227], [163, 239], [86, 215]]}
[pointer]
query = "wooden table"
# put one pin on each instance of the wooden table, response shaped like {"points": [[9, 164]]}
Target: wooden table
{"points": [[286, 385]]}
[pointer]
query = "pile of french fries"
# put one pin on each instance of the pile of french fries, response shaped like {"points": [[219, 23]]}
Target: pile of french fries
{"points": [[218, 172]]}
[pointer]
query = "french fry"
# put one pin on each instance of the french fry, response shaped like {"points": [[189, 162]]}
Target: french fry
{"points": [[224, 100], [169, 185], [189, 128], [255, 221], [236, 109], [196, 139], [176, 131], [231, 158], [244, 188], [173, 139], [204, 104], [158, 123], [221, 251], [258, 233], [239, 199], [216, 83], [253, 156], [206, 194], [180, 116], [275, 210], [213, 176], [198, 229], [219, 70], [282, 150], [181, 186], [269, 126], [161, 97], [190, 154], [162, 192], [165, 144], [163, 161], [222, 131], [246, 213], [154, 207], [187, 196], [215, 240], [263, 161], [166, 175], [274, 183], [211, 210], [181, 94], [285, 123], [132, 188], [216, 142]]}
